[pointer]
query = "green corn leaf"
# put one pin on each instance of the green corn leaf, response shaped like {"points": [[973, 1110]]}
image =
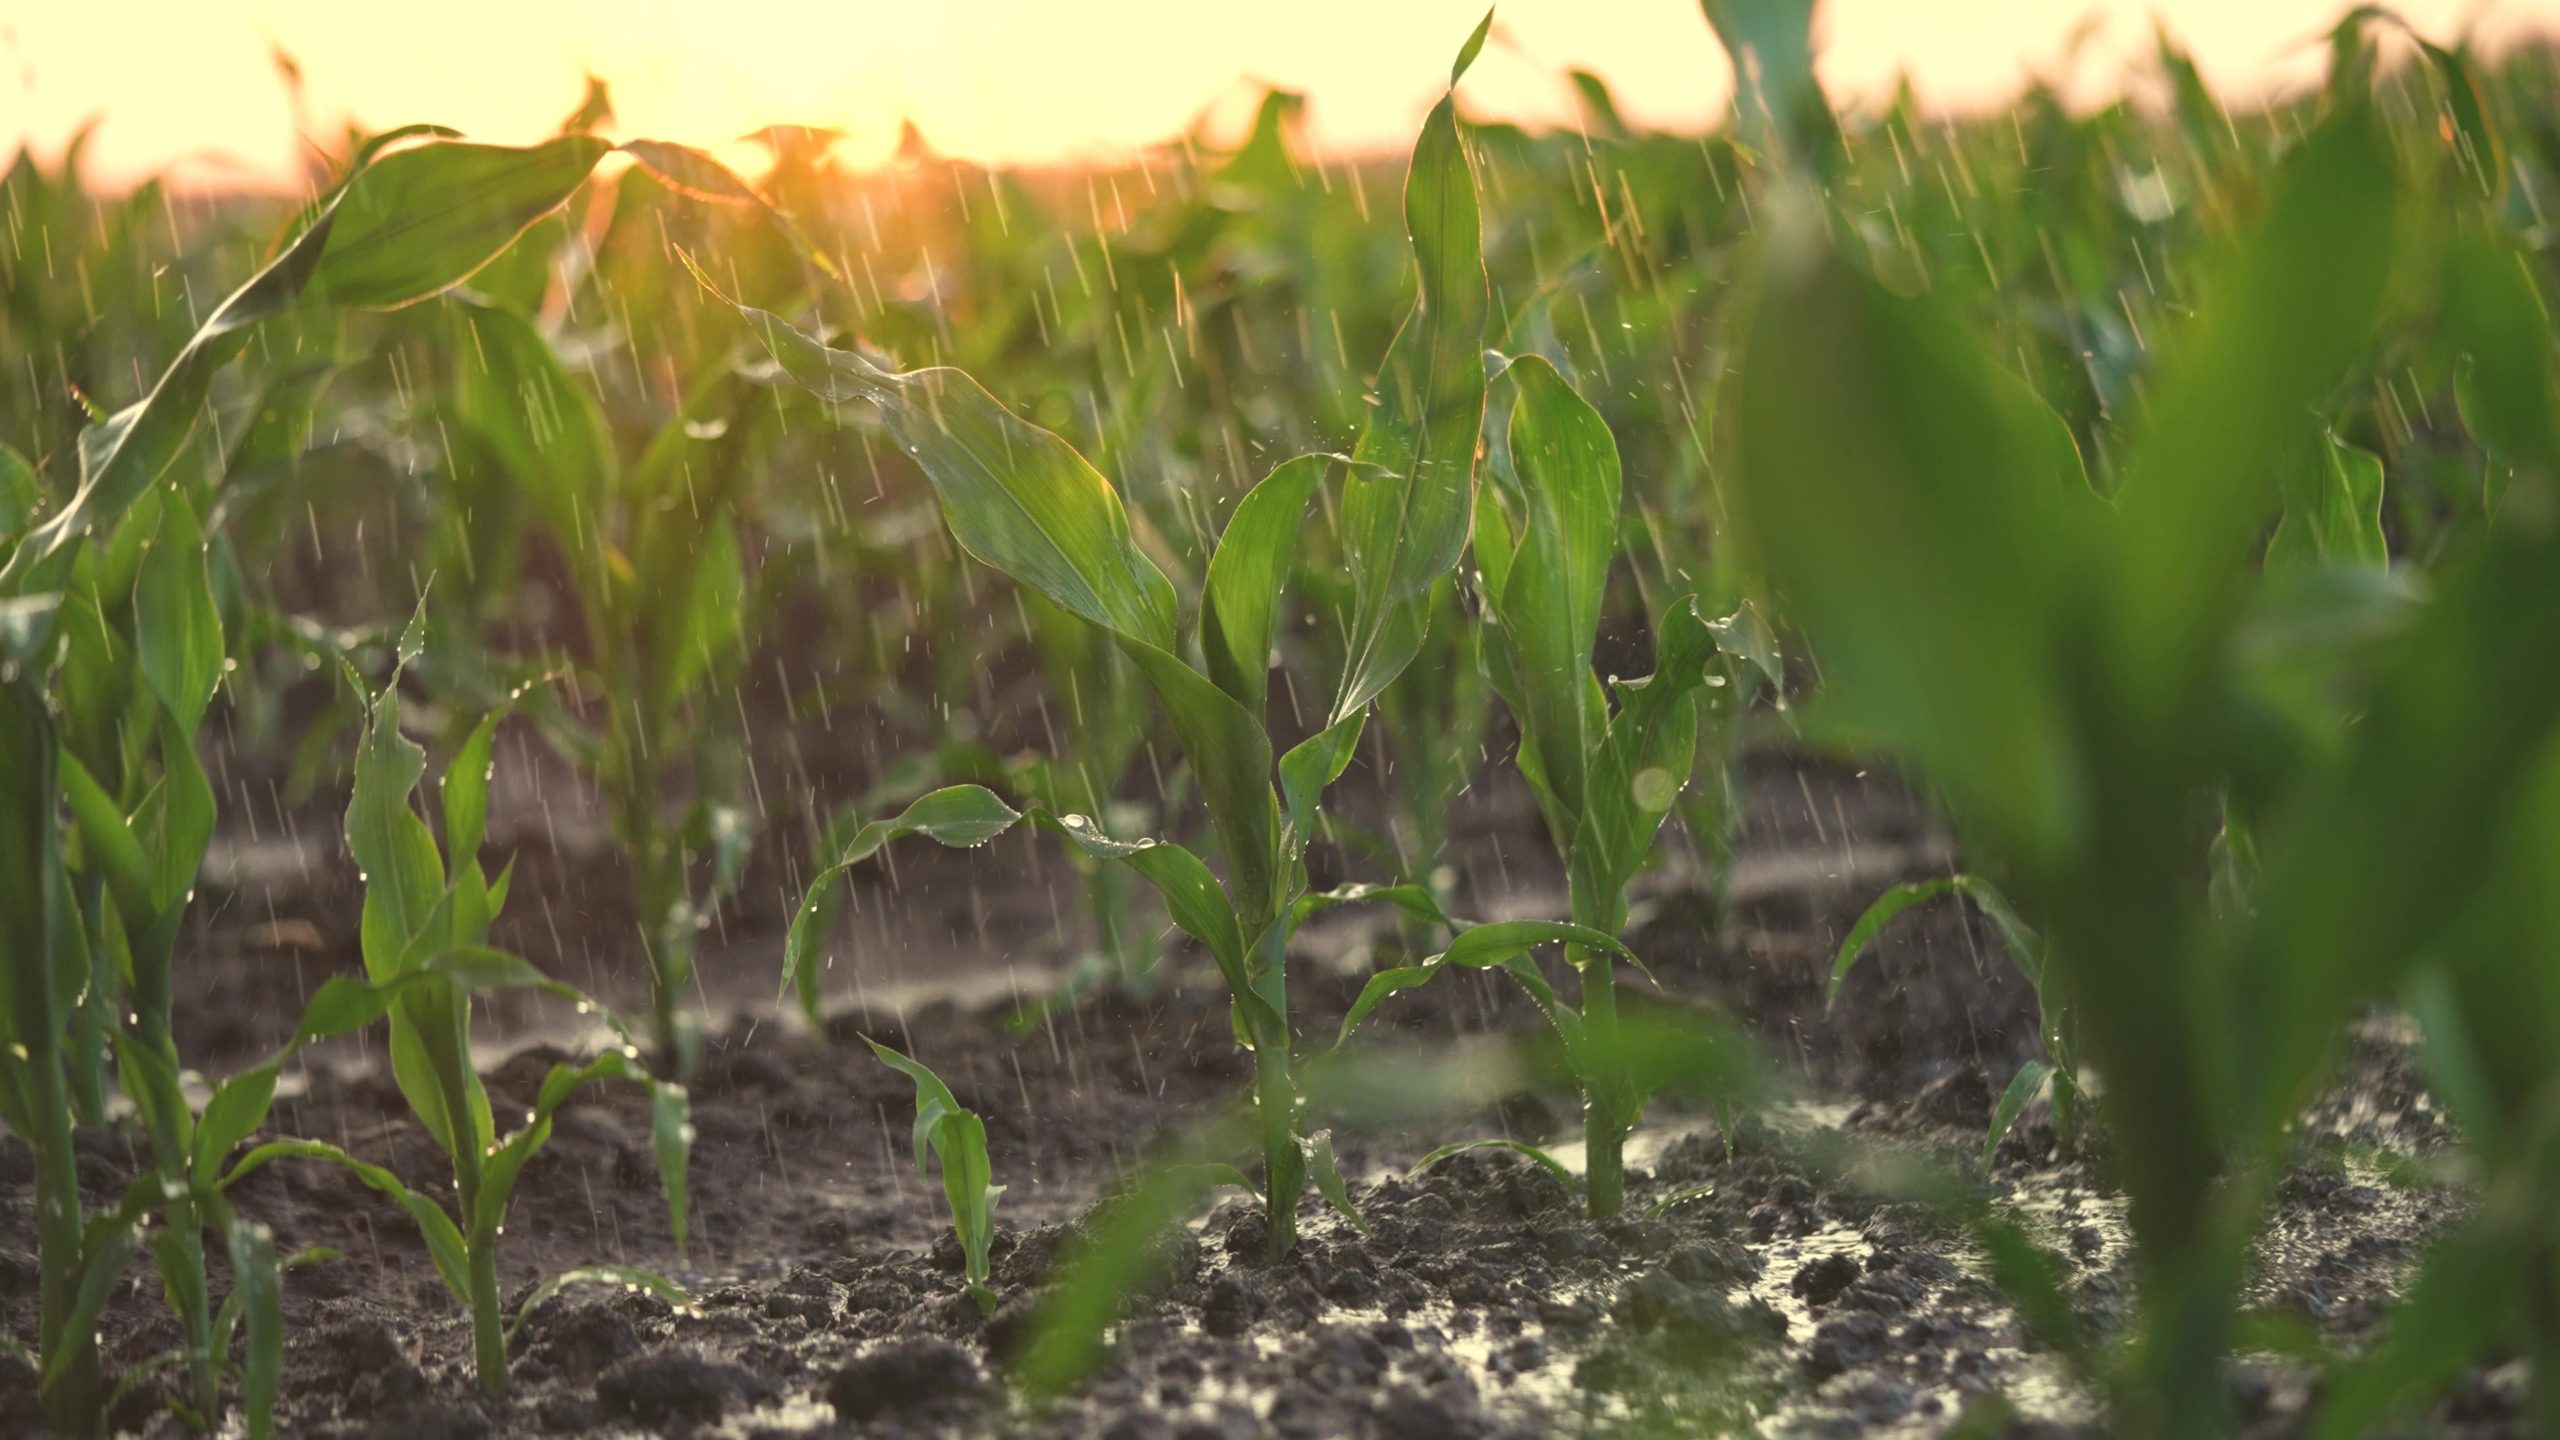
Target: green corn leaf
{"points": [[258, 1284], [2022, 1088], [26, 625], [1745, 635], [35, 995], [1473, 47], [1230, 758], [960, 816], [420, 221], [1406, 522], [709, 611], [1191, 894], [1871, 922], [1498, 942], [1548, 605], [119, 854], [2480, 150], [934, 1099], [1328, 1177], [2494, 316], [344, 1003], [1022, 500], [2026, 951], [404, 873], [483, 969], [671, 1145], [1643, 762], [106, 1250], [464, 790], [1545, 1161], [2366, 868], [122, 455], [1378, 989], [1309, 767], [177, 627], [404, 227], [534, 418], [444, 1241], [234, 1112], [177, 817], [2455, 1067], [2034, 1279], [1775, 94], [671, 1137], [1239, 606], [2333, 513], [2025, 947], [2284, 323], [957, 1139], [430, 1022], [594, 112], [1017, 497], [1566, 1021], [1502, 944], [2201, 118], [690, 172], [21, 495], [625, 1277], [1922, 517], [1414, 900]]}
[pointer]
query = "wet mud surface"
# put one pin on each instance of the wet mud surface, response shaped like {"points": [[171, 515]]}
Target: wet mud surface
{"points": [[1758, 1282]]}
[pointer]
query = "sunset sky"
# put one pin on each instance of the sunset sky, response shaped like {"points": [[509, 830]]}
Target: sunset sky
{"points": [[192, 83]]}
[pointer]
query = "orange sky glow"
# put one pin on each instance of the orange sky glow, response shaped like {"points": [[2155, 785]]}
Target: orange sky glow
{"points": [[191, 85]]}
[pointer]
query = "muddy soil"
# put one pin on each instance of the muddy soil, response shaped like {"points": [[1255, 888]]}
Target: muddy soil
{"points": [[1751, 1287]]}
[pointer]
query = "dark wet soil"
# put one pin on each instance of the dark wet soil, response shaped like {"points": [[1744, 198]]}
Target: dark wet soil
{"points": [[1750, 1287]]}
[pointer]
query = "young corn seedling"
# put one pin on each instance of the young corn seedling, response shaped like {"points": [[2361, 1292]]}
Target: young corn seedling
{"points": [[111, 814], [1604, 778], [2488, 1005], [130, 677], [2082, 681], [1022, 500], [2026, 950], [427, 912], [957, 1139], [653, 548], [661, 591]]}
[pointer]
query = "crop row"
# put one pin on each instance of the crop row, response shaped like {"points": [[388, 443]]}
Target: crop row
{"points": [[2172, 496]]}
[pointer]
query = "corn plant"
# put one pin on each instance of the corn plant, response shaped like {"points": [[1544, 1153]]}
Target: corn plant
{"points": [[2489, 1020], [957, 1140], [48, 974], [1022, 500], [109, 873], [2487, 1007], [1604, 779], [661, 592], [2078, 679], [653, 551], [2056, 1026], [131, 675], [427, 910]]}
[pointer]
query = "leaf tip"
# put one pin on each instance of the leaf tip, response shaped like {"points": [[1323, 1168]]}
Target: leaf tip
{"points": [[1475, 45]]}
